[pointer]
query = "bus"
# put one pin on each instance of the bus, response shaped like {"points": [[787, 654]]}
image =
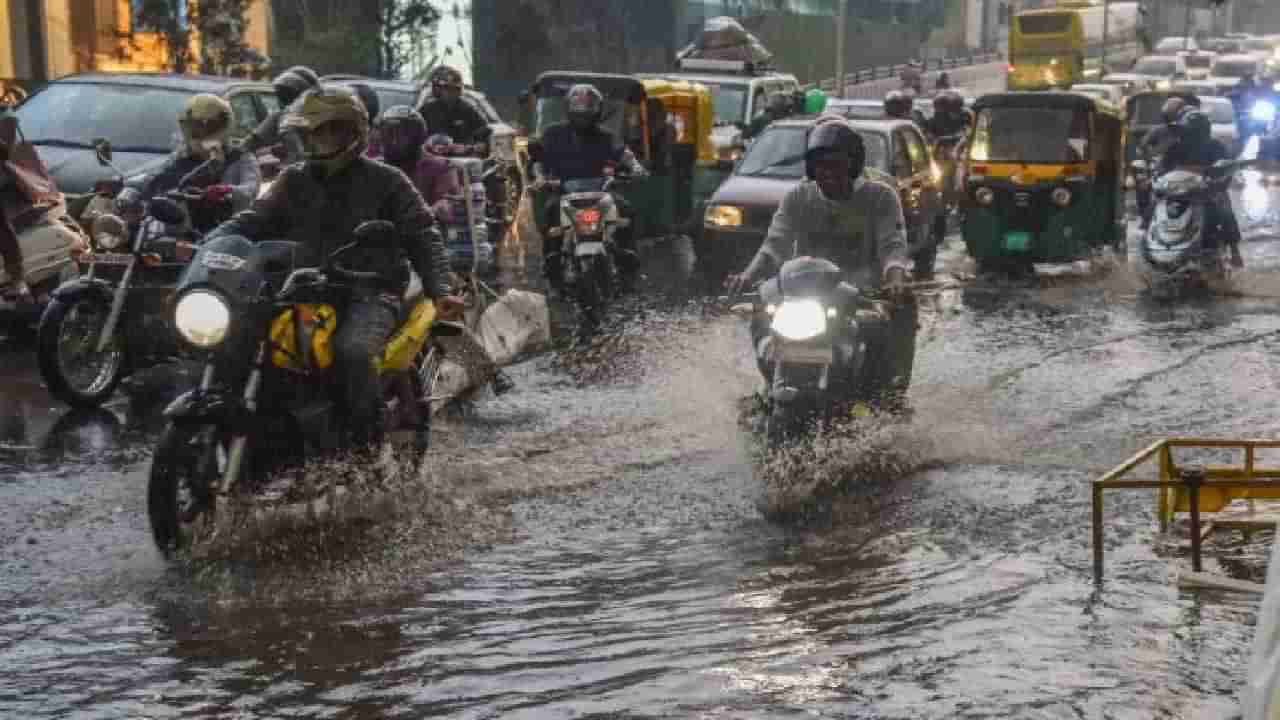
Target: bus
{"points": [[1060, 46]]}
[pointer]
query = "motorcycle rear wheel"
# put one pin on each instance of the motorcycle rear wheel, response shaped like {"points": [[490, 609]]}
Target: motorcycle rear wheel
{"points": [[61, 365], [181, 499]]}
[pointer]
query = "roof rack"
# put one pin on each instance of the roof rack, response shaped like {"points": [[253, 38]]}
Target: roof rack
{"points": [[741, 67]]}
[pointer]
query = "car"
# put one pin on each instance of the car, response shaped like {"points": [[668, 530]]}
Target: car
{"points": [[858, 108], [1110, 93], [1224, 46], [740, 212], [1129, 83], [1173, 44], [137, 112], [1203, 88], [1198, 63], [1223, 116], [1261, 48], [1164, 70], [1229, 69]]}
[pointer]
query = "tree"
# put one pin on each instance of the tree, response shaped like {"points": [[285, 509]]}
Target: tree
{"points": [[220, 25], [398, 22]]}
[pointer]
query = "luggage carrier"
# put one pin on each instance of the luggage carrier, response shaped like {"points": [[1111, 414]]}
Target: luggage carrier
{"points": [[1239, 495]]}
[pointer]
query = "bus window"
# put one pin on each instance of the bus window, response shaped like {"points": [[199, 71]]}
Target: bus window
{"points": [[1049, 24]]}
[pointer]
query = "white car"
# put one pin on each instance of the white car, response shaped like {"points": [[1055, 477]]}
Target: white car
{"points": [[1111, 93], [1223, 116], [1229, 69], [1164, 70], [1173, 44]]}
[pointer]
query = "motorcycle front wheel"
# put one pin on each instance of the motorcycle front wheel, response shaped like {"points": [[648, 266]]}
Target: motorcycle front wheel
{"points": [[67, 340], [180, 491]]}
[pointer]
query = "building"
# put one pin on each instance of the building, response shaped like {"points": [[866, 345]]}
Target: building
{"points": [[45, 39]]}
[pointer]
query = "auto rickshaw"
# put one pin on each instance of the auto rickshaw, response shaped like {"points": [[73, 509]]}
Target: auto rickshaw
{"points": [[665, 123], [1045, 180]]}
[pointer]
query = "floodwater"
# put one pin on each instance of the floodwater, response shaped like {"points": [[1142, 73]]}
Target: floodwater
{"points": [[590, 544]]}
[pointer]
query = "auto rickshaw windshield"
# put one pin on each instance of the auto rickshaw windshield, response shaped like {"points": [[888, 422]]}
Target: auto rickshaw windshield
{"points": [[1050, 136]]}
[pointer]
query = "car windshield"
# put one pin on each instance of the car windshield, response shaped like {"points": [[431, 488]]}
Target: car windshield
{"points": [[135, 118], [1156, 66], [779, 153], [1145, 109], [1031, 135], [865, 111], [730, 103], [1199, 61], [1220, 112], [1234, 68]]}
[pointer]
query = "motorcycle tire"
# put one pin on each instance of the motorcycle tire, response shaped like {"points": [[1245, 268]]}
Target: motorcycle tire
{"points": [[53, 366], [187, 456], [595, 286]]}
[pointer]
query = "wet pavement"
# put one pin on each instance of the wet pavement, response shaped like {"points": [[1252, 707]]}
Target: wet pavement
{"points": [[591, 544]]}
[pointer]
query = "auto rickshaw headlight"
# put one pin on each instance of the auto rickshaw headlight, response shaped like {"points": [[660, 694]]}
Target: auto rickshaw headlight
{"points": [[723, 216], [984, 196], [1060, 197]]}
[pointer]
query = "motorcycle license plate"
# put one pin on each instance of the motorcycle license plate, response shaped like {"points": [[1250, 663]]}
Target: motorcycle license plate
{"points": [[589, 248], [1017, 241], [112, 258], [804, 354]]}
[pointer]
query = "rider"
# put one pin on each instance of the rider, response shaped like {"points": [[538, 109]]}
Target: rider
{"points": [[1197, 148], [857, 223], [898, 104], [230, 184], [403, 135], [578, 149], [446, 113], [288, 85], [949, 116], [1158, 141], [318, 204], [913, 77]]}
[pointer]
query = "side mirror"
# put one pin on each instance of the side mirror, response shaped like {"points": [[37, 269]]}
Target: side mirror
{"points": [[375, 233], [167, 211], [102, 150]]}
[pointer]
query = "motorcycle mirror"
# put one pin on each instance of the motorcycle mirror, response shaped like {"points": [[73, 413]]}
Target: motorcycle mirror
{"points": [[167, 211], [375, 233], [108, 224], [102, 150]]}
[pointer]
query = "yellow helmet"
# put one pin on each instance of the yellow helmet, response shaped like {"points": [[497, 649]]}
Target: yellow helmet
{"points": [[323, 106], [205, 121]]}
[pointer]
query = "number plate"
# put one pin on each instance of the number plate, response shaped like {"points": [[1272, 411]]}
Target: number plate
{"points": [[112, 258], [804, 354], [1017, 241]]}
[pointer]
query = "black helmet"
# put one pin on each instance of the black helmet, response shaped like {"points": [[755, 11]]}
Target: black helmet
{"points": [[369, 98], [1195, 125], [402, 131], [948, 101], [293, 82], [835, 136], [1172, 109], [897, 104], [584, 105]]}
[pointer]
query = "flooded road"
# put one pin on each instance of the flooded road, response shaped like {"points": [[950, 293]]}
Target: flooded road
{"points": [[592, 546]]}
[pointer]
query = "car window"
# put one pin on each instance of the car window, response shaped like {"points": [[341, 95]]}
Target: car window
{"points": [[1234, 68], [134, 118], [245, 111], [269, 101], [758, 103], [916, 150]]}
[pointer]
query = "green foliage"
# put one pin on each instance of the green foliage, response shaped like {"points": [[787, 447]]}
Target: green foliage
{"points": [[221, 25]]}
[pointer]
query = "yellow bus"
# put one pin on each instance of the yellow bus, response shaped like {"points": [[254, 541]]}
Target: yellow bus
{"points": [[1060, 46]]}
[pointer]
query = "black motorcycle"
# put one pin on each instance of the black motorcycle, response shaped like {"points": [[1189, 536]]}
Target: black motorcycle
{"points": [[110, 322], [589, 221], [237, 437], [810, 330]]}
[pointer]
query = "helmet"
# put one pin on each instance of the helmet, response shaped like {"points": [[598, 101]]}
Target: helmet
{"points": [[835, 136], [1172, 109], [444, 77], [897, 104], [437, 141], [370, 99], [1195, 125], [401, 131], [205, 121], [584, 105], [293, 82], [327, 106]]}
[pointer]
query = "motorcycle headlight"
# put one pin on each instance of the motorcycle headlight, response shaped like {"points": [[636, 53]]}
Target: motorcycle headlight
{"points": [[723, 216], [984, 196], [800, 319], [108, 241], [1060, 197], [1264, 111], [202, 318]]}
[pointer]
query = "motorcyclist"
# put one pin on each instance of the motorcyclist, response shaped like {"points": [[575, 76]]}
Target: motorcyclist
{"points": [[949, 116], [227, 186], [445, 112], [1196, 148], [1156, 143], [318, 204], [579, 149], [857, 223], [779, 106], [288, 86], [899, 105], [404, 136], [913, 77], [943, 82]]}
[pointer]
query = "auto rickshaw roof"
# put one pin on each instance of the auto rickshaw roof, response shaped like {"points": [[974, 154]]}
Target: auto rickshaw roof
{"points": [[1046, 99], [558, 82]]}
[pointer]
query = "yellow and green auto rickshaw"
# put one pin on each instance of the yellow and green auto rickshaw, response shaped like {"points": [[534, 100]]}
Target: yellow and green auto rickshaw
{"points": [[1045, 180]]}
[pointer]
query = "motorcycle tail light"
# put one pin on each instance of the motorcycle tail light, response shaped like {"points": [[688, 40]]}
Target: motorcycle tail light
{"points": [[587, 220]]}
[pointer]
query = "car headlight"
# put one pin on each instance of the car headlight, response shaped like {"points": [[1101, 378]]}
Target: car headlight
{"points": [[1060, 197], [723, 216], [984, 196], [1164, 84], [202, 318], [1264, 111], [730, 154], [800, 319]]}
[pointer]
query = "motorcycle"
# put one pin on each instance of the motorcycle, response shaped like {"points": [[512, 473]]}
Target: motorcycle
{"points": [[490, 181], [1174, 252], [230, 440], [109, 322], [948, 152], [810, 330], [589, 219]]}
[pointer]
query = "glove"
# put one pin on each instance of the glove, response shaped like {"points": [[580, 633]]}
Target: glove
{"points": [[217, 193]]}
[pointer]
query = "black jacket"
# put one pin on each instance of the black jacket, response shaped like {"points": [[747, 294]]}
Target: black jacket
{"points": [[1185, 153], [462, 122], [321, 215]]}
